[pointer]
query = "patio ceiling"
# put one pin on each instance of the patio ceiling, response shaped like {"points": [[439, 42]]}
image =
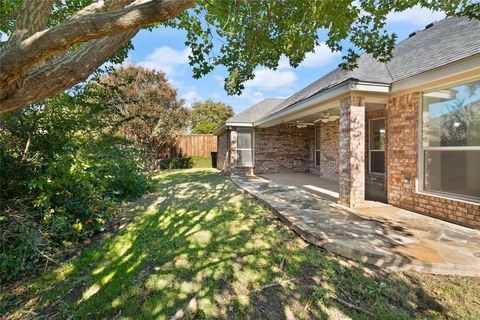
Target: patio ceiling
{"points": [[329, 114]]}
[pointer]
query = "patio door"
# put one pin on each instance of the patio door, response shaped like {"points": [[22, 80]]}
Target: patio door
{"points": [[376, 169]]}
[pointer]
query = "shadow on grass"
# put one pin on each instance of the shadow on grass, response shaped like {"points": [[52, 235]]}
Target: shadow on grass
{"points": [[200, 248]]}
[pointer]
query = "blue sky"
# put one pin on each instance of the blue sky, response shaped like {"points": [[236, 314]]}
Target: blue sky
{"points": [[164, 49]]}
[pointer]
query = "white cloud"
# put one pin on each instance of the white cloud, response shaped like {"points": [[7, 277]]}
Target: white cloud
{"points": [[177, 84], [257, 97], [320, 57], [253, 97], [3, 37], [268, 79], [166, 59], [283, 63], [415, 16], [190, 97]]}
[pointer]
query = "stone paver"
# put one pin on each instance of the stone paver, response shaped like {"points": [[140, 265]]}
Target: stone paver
{"points": [[381, 235]]}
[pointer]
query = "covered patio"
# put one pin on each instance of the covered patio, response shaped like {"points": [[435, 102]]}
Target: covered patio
{"points": [[324, 187], [342, 141], [376, 233]]}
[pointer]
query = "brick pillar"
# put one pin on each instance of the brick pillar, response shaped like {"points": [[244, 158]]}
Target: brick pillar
{"points": [[232, 156], [352, 152]]}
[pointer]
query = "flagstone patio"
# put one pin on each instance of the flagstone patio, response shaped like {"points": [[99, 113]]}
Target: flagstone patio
{"points": [[377, 234]]}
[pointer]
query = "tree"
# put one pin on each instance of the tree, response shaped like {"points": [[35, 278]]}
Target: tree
{"points": [[54, 44], [206, 116], [144, 108], [62, 173]]}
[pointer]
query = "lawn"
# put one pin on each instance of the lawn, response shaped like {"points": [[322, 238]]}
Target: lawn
{"points": [[200, 248]]}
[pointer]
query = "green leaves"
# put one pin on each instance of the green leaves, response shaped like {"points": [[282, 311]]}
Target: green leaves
{"points": [[66, 185], [206, 116], [244, 35]]}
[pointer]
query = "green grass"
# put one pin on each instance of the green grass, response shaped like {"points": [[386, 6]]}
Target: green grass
{"points": [[201, 248], [202, 162]]}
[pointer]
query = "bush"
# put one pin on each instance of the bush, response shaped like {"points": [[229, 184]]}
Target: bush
{"points": [[62, 175], [68, 201]]}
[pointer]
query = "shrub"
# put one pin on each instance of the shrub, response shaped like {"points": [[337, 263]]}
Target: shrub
{"points": [[62, 175], [68, 201]]}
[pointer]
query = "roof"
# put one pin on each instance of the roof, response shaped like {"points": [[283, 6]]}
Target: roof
{"points": [[255, 112], [439, 44], [443, 42], [368, 69]]}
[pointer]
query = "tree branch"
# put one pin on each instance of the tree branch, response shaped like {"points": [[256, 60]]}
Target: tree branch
{"points": [[50, 78], [32, 18], [15, 61], [101, 6]]}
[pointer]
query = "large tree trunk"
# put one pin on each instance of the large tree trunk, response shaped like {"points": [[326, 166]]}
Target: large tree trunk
{"points": [[37, 63]]}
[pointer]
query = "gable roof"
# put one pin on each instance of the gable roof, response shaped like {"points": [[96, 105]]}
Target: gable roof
{"points": [[439, 44], [255, 112], [368, 69], [443, 42]]}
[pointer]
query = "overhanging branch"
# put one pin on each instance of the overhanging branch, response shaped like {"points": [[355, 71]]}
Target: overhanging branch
{"points": [[32, 18], [17, 60], [61, 73]]}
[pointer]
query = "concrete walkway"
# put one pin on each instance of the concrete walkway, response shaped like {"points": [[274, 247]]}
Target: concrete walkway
{"points": [[381, 235]]}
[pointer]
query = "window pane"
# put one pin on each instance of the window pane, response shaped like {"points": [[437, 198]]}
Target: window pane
{"points": [[317, 138], [453, 171], [317, 158], [451, 117], [244, 139], [244, 157], [377, 134], [377, 161]]}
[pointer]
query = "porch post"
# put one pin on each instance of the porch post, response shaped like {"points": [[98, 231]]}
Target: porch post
{"points": [[352, 152], [232, 156]]}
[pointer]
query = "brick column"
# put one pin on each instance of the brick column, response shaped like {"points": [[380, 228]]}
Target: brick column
{"points": [[232, 156], [352, 152]]}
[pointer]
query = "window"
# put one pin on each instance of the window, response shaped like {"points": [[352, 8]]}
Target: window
{"points": [[377, 146], [245, 147], [317, 146], [451, 140]]}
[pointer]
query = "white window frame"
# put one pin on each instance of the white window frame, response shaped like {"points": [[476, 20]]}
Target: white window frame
{"points": [[421, 153], [252, 131], [317, 128], [374, 150]]}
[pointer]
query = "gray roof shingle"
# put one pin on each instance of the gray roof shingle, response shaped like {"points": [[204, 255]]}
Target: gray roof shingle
{"points": [[448, 40], [368, 69], [256, 112]]}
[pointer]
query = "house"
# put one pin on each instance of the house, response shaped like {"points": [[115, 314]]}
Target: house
{"points": [[407, 131]]}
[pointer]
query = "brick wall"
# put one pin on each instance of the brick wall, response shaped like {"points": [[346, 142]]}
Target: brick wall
{"points": [[370, 178], [351, 180], [329, 136], [402, 157], [283, 148], [222, 148]]}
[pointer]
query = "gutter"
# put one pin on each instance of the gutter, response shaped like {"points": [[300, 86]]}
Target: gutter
{"points": [[324, 95], [229, 125]]}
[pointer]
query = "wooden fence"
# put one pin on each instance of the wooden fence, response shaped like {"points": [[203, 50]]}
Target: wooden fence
{"points": [[197, 145]]}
